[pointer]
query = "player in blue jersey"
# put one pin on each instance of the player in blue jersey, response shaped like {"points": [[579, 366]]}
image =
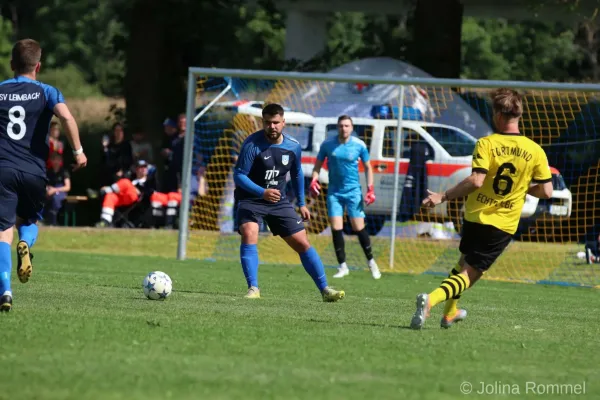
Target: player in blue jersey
{"points": [[26, 108], [342, 153], [265, 159]]}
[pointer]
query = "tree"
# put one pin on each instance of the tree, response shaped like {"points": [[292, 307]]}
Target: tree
{"points": [[498, 49], [437, 35]]}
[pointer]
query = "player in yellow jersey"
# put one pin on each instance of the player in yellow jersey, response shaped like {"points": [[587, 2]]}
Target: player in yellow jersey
{"points": [[506, 167]]}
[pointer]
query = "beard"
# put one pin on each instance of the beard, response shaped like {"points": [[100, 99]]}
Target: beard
{"points": [[273, 135]]}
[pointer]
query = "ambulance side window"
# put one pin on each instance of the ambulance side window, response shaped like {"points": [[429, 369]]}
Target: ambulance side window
{"points": [[389, 141]]}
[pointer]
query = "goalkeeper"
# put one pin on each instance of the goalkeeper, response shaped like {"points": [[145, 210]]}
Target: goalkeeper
{"points": [[342, 153]]}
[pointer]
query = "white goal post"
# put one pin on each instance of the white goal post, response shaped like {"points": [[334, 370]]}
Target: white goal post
{"points": [[441, 85]]}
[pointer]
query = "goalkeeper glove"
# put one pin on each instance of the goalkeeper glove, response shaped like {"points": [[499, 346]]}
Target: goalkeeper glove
{"points": [[370, 197], [315, 187]]}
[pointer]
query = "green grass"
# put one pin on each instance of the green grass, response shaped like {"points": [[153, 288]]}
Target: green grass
{"points": [[81, 329]]}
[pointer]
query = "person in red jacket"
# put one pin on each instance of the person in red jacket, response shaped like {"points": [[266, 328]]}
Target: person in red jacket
{"points": [[55, 145], [125, 192]]}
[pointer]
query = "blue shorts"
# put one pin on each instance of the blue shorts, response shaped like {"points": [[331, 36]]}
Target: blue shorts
{"points": [[22, 195], [352, 201], [281, 217]]}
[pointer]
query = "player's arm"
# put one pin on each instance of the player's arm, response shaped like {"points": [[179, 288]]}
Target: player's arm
{"points": [[542, 178], [69, 125], [467, 186], [297, 176], [366, 160], [480, 166], [67, 185], [242, 169], [315, 186], [317, 169]]}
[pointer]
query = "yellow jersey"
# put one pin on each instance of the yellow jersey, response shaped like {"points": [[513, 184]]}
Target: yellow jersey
{"points": [[511, 163]]}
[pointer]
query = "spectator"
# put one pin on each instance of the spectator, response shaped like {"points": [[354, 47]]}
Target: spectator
{"points": [[117, 156], [56, 146], [170, 129], [126, 192], [592, 245], [59, 185], [141, 148], [164, 208], [173, 167]]}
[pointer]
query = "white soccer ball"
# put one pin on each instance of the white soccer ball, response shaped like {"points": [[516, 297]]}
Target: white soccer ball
{"points": [[157, 285]]}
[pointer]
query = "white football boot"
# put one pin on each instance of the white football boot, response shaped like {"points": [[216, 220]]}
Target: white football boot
{"points": [[342, 271]]}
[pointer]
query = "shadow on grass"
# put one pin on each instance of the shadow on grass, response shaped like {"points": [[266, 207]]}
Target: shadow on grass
{"points": [[320, 321]]}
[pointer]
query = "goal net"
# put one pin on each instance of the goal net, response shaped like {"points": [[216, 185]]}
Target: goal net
{"points": [[405, 124]]}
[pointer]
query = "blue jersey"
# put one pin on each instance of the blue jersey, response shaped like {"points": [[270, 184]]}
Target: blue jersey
{"points": [[342, 162], [26, 109], [262, 165]]}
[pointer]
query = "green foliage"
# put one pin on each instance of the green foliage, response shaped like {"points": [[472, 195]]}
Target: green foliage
{"points": [[70, 80], [5, 49], [498, 49], [261, 36], [73, 32]]}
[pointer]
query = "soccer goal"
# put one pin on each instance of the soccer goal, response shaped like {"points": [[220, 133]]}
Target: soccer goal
{"points": [[420, 133]]}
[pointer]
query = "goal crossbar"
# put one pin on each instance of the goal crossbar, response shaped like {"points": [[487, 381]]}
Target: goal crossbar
{"points": [[390, 80]]}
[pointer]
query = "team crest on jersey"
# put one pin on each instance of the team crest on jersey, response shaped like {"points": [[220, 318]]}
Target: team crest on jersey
{"points": [[285, 159]]}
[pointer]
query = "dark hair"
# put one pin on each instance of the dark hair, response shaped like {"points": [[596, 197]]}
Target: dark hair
{"points": [[53, 124], [118, 124], [26, 54], [272, 110], [344, 118]]}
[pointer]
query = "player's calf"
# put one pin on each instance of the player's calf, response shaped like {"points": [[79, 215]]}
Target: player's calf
{"points": [[313, 265], [340, 252], [365, 243]]}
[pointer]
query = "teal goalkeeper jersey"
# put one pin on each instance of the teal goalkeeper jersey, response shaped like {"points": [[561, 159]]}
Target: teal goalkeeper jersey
{"points": [[342, 163]]}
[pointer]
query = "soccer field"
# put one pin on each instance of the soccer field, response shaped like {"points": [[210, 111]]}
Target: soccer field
{"points": [[81, 329]]}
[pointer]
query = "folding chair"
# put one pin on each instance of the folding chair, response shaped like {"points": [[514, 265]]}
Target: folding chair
{"points": [[139, 214]]}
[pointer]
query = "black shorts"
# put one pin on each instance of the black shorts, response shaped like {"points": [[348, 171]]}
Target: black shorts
{"points": [[281, 217], [482, 244], [22, 195]]}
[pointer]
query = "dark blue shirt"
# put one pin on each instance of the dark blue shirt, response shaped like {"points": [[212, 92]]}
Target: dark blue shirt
{"points": [[262, 165], [26, 109]]}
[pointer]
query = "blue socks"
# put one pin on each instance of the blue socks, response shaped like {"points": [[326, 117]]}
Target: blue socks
{"points": [[313, 265], [310, 260], [249, 258], [28, 233], [5, 267]]}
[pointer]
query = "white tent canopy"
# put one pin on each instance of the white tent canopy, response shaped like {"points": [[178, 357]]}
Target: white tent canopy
{"points": [[357, 100]]}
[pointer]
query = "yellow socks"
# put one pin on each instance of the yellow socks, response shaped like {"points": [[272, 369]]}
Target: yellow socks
{"points": [[450, 287], [450, 307]]}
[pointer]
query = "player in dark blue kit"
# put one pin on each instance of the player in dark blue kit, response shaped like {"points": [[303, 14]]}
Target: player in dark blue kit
{"points": [[265, 159], [26, 108]]}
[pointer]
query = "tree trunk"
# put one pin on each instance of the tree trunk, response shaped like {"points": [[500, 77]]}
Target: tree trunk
{"points": [[436, 40], [143, 64]]}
